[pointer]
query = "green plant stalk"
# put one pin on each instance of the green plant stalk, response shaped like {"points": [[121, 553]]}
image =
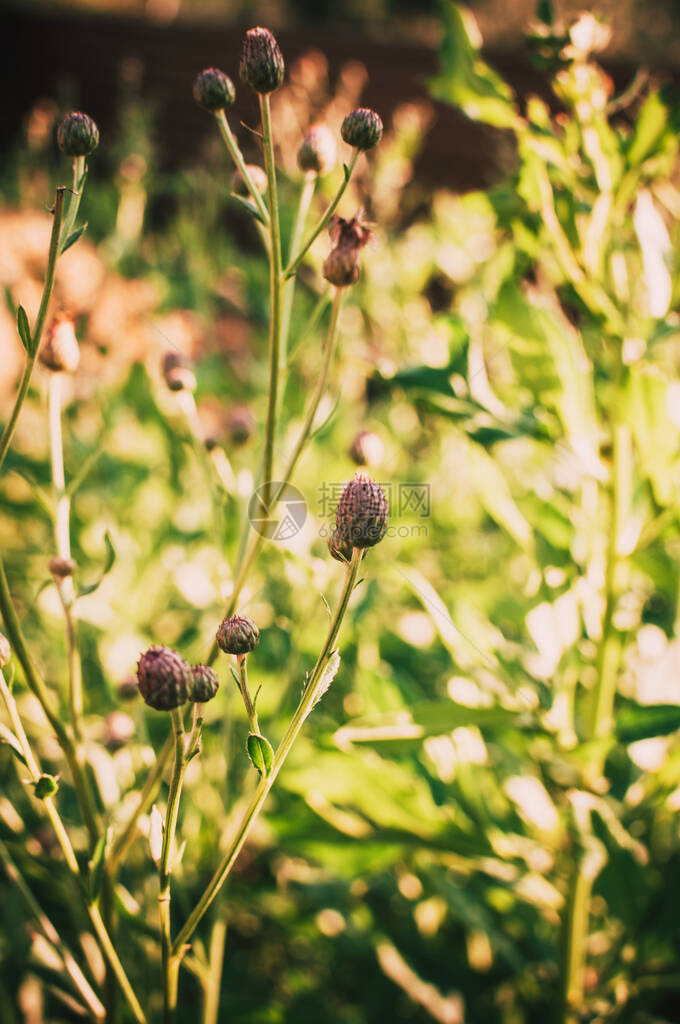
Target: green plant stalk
{"points": [[241, 661], [10, 426], [306, 196], [149, 792], [39, 689], [608, 661], [63, 545], [297, 260], [237, 156], [246, 563], [275, 298], [164, 868], [61, 834], [74, 198], [266, 782], [80, 983], [213, 976]]}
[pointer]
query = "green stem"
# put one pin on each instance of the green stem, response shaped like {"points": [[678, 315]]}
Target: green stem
{"points": [[266, 782], [241, 661], [148, 795], [36, 336], [165, 868], [73, 203], [275, 298], [237, 156], [306, 195], [297, 260], [211, 983]]}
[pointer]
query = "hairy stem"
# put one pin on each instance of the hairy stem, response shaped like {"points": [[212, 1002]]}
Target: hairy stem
{"points": [[266, 782]]}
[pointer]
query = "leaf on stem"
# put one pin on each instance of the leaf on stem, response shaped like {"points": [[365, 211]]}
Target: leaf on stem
{"points": [[327, 676], [260, 753], [73, 237], [97, 863], [12, 742], [108, 565], [24, 329], [250, 207]]}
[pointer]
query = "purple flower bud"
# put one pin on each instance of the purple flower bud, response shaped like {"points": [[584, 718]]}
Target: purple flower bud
{"points": [[362, 128], [61, 353], [205, 685], [77, 134], [339, 548], [62, 567], [261, 64], [213, 90], [164, 678], [318, 151], [238, 635], [361, 516]]}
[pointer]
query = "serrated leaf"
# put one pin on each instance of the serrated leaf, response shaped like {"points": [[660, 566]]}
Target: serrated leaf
{"points": [[260, 753], [327, 676], [73, 237], [108, 565], [12, 742], [24, 329], [249, 206]]}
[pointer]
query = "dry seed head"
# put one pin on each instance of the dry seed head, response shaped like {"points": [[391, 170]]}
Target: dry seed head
{"points": [[61, 353], [238, 635], [213, 90], [262, 65], [361, 516], [77, 134], [164, 678], [318, 152]]}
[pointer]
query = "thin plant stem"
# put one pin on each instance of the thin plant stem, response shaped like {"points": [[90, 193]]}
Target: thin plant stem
{"points": [[149, 792], [306, 196], [213, 976], [61, 834], [275, 298], [50, 934], [73, 203], [267, 781], [36, 335], [241, 661], [237, 156], [298, 258], [165, 867]]}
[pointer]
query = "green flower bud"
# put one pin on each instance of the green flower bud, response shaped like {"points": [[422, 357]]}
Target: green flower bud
{"points": [[77, 135], [318, 151], [164, 678], [238, 635], [5, 651], [47, 785], [261, 64], [362, 128], [361, 516], [178, 376], [62, 567], [213, 90], [205, 684], [61, 353]]}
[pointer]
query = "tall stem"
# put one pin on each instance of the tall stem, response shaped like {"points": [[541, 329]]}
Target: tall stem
{"points": [[165, 868], [36, 336], [275, 298], [306, 195], [298, 258], [150, 789], [266, 782], [237, 156], [74, 198]]}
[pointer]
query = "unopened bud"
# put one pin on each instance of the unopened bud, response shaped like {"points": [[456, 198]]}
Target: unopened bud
{"points": [[61, 353], [213, 90], [239, 424], [257, 176], [62, 567], [128, 689], [318, 151], [362, 128], [178, 376], [77, 134], [238, 635], [361, 516], [366, 449], [205, 684], [341, 266], [164, 678], [5, 651], [46, 785], [261, 64], [339, 548]]}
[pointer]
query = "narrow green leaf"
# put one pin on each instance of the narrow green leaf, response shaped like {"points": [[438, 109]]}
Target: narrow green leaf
{"points": [[73, 237], [249, 206], [260, 753], [97, 865], [24, 329], [108, 565], [12, 742], [9, 302]]}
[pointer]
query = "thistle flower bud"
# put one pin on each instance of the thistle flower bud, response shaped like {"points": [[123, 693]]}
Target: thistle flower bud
{"points": [[5, 651], [340, 549], [239, 424], [366, 449], [213, 90], [257, 175], [341, 266], [261, 64], [238, 635], [77, 134], [46, 785], [318, 151], [62, 567], [361, 516], [362, 128], [164, 678], [178, 376], [61, 353], [127, 689], [205, 684]]}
